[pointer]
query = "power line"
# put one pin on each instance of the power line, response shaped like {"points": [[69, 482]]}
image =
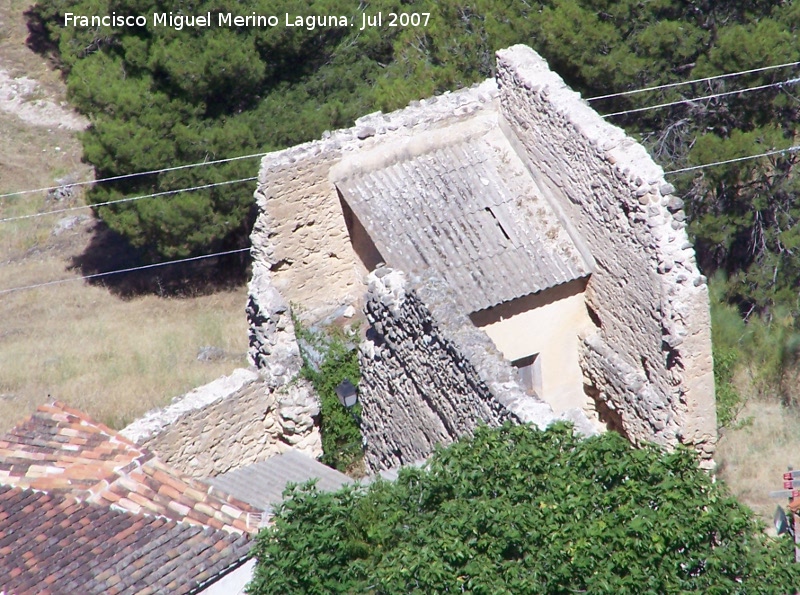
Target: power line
{"points": [[250, 179], [133, 175], [119, 271], [194, 258], [130, 199], [702, 80], [254, 155], [713, 96], [792, 149]]}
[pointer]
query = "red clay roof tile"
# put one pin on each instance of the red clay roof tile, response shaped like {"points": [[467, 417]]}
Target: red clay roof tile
{"points": [[61, 450], [115, 552]]}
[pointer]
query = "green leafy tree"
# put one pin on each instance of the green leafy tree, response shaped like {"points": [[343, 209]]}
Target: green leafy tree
{"points": [[517, 510]]}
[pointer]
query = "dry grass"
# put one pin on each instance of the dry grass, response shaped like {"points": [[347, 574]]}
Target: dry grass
{"points": [[753, 458], [111, 357], [114, 359]]}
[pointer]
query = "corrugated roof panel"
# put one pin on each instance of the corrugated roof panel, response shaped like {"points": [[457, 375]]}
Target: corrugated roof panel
{"points": [[387, 210], [262, 484], [493, 240], [504, 276], [542, 264], [399, 201], [468, 243], [471, 241], [454, 209], [469, 188], [442, 183]]}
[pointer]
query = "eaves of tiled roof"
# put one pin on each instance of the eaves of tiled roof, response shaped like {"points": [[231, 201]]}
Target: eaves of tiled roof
{"points": [[53, 544], [61, 450]]}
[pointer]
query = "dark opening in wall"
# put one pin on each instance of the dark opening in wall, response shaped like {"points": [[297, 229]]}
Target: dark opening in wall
{"points": [[529, 370]]}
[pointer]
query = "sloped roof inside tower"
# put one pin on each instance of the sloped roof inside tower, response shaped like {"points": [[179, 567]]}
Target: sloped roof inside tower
{"points": [[462, 204]]}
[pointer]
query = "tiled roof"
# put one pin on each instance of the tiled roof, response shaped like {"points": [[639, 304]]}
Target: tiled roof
{"points": [[468, 209], [262, 484], [51, 544], [61, 450]]}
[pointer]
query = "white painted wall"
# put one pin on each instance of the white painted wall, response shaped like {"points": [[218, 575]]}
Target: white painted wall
{"points": [[550, 324]]}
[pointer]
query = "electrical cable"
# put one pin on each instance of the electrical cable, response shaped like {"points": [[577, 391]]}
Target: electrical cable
{"points": [[133, 175], [150, 266], [622, 93], [251, 156], [702, 80], [792, 149], [122, 200], [692, 100], [250, 179]]}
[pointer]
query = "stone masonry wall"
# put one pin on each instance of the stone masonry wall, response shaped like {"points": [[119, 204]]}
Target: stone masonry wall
{"points": [[273, 347], [651, 361], [300, 238], [429, 376], [301, 234], [232, 422]]}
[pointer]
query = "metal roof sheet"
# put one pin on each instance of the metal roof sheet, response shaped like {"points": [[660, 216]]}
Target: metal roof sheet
{"points": [[262, 484], [470, 212]]}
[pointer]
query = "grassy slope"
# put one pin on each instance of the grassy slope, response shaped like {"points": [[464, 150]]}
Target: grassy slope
{"points": [[753, 457], [80, 343]]}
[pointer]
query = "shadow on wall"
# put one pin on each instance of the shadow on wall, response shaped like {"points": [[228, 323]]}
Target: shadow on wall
{"points": [[363, 246], [524, 304], [611, 418]]}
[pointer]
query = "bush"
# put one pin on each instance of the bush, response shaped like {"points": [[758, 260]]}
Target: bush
{"points": [[328, 359], [764, 346], [727, 331], [517, 510]]}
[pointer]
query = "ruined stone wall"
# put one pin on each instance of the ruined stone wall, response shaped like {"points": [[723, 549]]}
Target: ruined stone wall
{"points": [[650, 363], [248, 416], [300, 237], [273, 347], [429, 376], [301, 234], [234, 421]]}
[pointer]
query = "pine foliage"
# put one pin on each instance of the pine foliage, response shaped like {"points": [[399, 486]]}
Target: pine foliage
{"points": [[160, 97]]}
